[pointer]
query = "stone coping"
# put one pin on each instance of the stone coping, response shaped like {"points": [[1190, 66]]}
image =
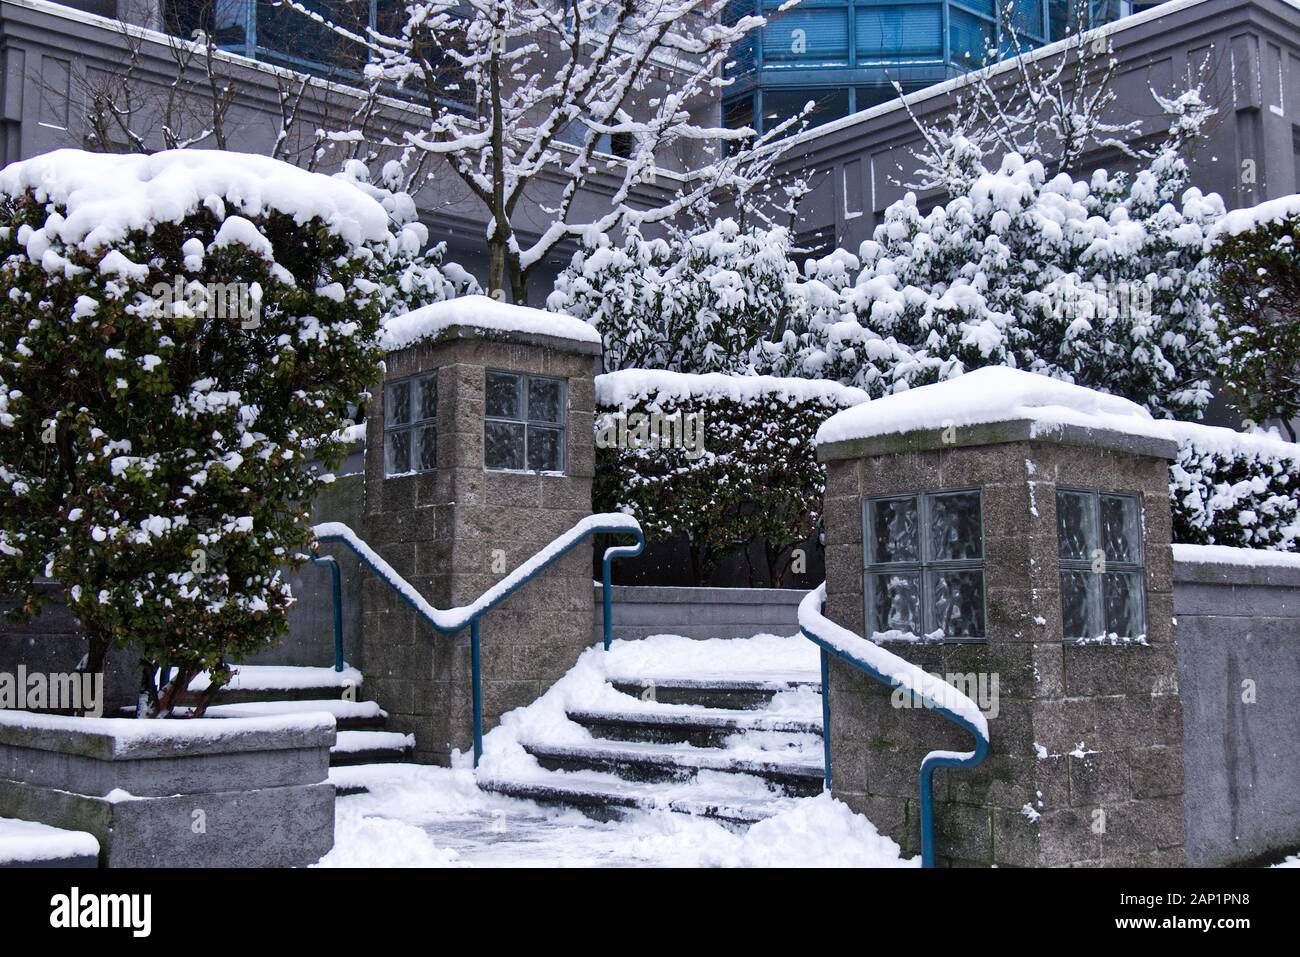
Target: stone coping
{"points": [[998, 433], [117, 739], [1188, 572], [508, 336], [687, 595]]}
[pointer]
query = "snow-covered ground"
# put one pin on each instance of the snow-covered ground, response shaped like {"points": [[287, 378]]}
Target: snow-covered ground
{"points": [[419, 816], [439, 817]]}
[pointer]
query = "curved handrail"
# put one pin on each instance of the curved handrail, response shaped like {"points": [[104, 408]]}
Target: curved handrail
{"points": [[453, 620], [889, 669]]}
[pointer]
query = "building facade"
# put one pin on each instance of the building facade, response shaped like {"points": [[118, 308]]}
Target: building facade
{"points": [[846, 56], [1247, 53]]}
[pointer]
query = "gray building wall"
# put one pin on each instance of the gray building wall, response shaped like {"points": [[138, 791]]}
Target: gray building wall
{"points": [[51, 54], [1238, 632], [1251, 49]]}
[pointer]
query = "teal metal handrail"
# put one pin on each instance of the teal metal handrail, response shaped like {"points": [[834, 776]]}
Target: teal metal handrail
{"points": [[453, 620], [336, 589], [891, 670]]}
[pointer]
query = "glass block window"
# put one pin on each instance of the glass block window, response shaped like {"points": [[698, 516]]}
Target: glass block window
{"points": [[925, 564], [1100, 541], [523, 427], [410, 433]]}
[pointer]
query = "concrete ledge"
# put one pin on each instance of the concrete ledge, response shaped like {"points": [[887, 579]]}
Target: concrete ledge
{"points": [[998, 433], [667, 594], [702, 613], [110, 739], [1223, 573], [233, 792], [558, 343]]}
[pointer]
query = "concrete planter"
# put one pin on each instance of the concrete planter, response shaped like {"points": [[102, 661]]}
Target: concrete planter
{"points": [[206, 792]]}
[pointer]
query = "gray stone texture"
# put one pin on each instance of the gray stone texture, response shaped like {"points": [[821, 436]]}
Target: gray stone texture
{"points": [[641, 610], [258, 799], [1239, 676], [440, 530], [1119, 801]]}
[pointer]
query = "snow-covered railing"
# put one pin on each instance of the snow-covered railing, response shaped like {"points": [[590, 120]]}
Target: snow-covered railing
{"points": [[452, 620], [891, 670]]}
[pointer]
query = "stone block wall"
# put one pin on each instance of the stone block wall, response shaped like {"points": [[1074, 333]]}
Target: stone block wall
{"points": [[1238, 630], [440, 530], [1086, 746]]}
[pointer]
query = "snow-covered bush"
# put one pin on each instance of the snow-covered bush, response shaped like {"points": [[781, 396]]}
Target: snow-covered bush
{"points": [[181, 333], [417, 275], [1229, 488], [1257, 255], [696, 303], [1102, 283], [722, 461]]}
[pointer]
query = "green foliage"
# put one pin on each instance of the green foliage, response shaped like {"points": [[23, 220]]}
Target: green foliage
{"points": [[757, 478], [154, 456], [1258, 286]]}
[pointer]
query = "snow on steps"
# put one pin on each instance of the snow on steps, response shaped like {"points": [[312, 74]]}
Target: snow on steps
{"points": [[643, 761], [729, 745], [31, 844], [261, 690]]}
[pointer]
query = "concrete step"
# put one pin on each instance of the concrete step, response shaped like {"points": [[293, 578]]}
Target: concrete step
{"points": [[371, 747], [258, 683], [745, 694], [348, 715], [605, 799], [792, 774], [699, 727]]}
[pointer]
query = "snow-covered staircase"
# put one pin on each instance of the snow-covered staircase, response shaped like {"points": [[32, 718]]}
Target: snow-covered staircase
{"points": [[261, 690], [737, 749]]}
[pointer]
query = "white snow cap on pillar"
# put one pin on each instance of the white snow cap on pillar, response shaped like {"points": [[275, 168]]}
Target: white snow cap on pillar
{"points": [[990, 395]]}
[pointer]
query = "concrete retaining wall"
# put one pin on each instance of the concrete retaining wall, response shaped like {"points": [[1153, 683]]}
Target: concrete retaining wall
{"points": [[1238, 631], [700, 612], [208, 792]]}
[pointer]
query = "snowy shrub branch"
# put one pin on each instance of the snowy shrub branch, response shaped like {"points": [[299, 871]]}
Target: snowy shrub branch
{"points": [[751, 475], [1257, 255], [1227, 488], [183, 332]]}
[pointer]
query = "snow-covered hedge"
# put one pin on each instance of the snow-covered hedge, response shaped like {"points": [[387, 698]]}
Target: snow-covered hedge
{"points": [[181, 333], [1257, 255], [722, 461], [1102, 282], [1229, 488], [695, 303]]}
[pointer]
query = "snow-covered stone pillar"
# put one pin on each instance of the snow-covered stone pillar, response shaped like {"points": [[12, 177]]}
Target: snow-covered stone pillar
{"points": [[1010, 533], [480, 452]]}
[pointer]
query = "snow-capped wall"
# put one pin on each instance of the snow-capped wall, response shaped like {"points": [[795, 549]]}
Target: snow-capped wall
{"points": [[989, 395], [482, 312], [630, 387]]}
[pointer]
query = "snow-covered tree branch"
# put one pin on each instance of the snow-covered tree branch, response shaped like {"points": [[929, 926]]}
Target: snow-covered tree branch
{"points": [[530, 102]]}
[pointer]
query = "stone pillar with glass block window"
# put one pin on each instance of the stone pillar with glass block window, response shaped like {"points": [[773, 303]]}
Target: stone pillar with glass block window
{"points": [[1011, 534], [483, 453]]}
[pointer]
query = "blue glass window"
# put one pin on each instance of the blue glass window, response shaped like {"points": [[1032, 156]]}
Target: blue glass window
{"points": [[816, 36], [894, 32]]}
